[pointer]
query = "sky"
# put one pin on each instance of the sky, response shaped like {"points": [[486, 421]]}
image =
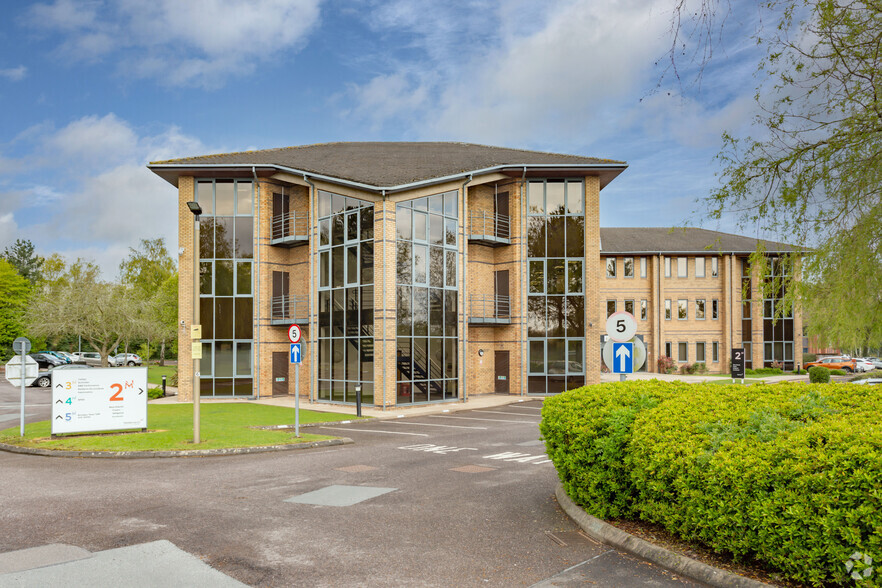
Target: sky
{"points": [[93, 90]]}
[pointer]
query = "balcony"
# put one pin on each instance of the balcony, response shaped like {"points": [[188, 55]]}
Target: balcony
{"points": [[290, 229], [487, 228], [489, 310], [287, 310]]}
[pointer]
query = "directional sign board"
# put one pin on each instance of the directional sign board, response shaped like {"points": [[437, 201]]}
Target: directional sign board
{"points": [[637, 360], [621, 326], [738, 364], [14, 372], [623, 358], [295, 353], [100, 399], [21, 345], [294, 334]]}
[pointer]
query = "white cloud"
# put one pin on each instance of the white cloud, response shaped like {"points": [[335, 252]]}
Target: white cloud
{"points": [[14, 74], [180, 42]]}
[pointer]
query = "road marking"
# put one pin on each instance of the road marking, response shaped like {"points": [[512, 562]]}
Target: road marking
{"points": [[437, 425], [438, 416], [439, 449], [504, 412], [529, 407], [374, 431], [519, 457]]}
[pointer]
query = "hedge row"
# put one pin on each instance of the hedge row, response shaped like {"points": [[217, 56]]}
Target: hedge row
{"points": [[789, 474]]}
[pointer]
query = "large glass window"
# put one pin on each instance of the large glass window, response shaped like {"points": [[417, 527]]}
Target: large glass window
{"points": [[346, 298], [427, 298], [226, 306], [777, 319], [556, 300]]}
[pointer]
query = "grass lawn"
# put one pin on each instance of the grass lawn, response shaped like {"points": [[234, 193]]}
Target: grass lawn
{"points": [[155, 373], [171, 428]]}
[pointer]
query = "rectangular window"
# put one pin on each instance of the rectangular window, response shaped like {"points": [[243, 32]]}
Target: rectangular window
{"points": [[715, 351], [628, 265], [682, 352], [699, 352], [745, 309], [681, 267], [715, 309], [610, 267], [642, 267], [668, 310], [610, 307], [668, 349], [682, 309], [715, 267], [699, 267], [629, 306], [643, 308], [667, 267], [699, 309]]}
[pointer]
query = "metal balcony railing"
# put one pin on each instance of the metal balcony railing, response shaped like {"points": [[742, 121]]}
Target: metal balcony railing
{"points": [[290, 228], [489, 228], [489, 309], [289, 309]]}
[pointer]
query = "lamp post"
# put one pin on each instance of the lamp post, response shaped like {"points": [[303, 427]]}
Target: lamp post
{"points": [[196, 210]]}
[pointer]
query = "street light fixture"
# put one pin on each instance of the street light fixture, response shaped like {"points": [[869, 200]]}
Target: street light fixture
{"points": [[196, 210]]}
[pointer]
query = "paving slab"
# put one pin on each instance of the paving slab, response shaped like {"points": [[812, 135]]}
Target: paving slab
{"points": [[37, 557], [338, 495]]}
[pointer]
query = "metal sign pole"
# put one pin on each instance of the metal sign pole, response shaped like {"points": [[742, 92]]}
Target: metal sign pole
{"points": [[297, 400], [23, 373]]}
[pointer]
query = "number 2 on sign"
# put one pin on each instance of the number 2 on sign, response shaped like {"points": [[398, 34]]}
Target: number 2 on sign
{"points": [[118, 388]]}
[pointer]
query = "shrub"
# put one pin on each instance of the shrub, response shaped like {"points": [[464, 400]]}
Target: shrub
{"points": [[700, 368], [788, 474], [665, 364], [838, 372], [818, 374], [777, 365], [686, 368], [800, 372], [173, 379], [155, 393], [764, 371]]}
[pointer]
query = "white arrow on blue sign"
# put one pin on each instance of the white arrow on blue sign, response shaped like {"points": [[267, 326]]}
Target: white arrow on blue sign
{"points": [[295, 353], [623, 358]]}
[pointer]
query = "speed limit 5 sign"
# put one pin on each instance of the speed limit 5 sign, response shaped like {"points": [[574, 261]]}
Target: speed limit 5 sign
{"points": [[621, 326]]}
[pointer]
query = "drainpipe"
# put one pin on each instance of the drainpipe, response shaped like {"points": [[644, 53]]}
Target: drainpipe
{"points": [[385, 310], [313, 291], [525, 271], [465, 302], [660, 344], [256, 318]]}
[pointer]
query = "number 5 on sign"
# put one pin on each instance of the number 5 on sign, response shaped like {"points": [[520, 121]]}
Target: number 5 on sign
{"points": [[621, 326]]}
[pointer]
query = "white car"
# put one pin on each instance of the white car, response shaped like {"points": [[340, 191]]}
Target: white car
{"points": [[862, 365], [121, 359]]}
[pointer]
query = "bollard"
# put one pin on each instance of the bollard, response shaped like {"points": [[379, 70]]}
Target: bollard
{"points": [[163, 385], [358, 401]]}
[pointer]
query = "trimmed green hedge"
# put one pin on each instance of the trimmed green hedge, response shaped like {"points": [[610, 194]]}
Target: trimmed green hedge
{"points": [[790, 474], [819, 374]]}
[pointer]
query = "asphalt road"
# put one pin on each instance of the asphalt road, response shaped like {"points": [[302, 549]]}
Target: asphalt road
{"points": [[461, 499]]}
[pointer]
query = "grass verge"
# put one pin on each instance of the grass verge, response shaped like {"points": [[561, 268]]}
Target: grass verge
{"points": [[223, 425], [155, 373]]}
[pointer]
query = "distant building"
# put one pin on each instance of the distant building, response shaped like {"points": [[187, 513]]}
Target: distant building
{"points": [[425, 272]]}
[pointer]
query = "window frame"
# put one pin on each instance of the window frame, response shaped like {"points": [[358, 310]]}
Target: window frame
{"points": [[613, 267], [644, 309], [643, 264], [703, 346], [702, 264], [703, 306], [669, 311], [625, 267], [715, 309], [682, 309], [680, 346], [682, 264]]}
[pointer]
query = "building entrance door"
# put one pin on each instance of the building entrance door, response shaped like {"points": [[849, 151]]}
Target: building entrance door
{"points": [[501, 363], [281, 363]]}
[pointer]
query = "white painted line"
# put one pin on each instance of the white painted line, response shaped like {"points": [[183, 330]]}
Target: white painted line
{"points": [[523, 414], [400, 416], [435, 425], [446, 410], [438, 416], [531, 407], [375, 431], [345, 422]]}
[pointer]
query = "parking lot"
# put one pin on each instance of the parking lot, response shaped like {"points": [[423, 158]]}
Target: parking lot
{"points": [[462, 498]]}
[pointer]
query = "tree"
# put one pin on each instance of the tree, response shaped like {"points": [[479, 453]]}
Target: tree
{"points": [[14, 292], [22, 257], [148, 267], [163, 313], [78, 302], [812, 171]]}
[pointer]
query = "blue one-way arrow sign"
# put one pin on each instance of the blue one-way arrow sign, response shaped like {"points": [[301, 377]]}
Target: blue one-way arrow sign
{"points": [[295, 353], [623, 358]]}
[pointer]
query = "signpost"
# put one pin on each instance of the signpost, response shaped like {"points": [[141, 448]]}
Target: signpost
{"points": [[738, 365], [623, 352], [21, 370], [623, 358], [103, 399], [621, 326], [294, 335]]}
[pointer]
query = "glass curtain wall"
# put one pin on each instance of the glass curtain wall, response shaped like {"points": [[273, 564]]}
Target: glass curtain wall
{"points": [[426, 250], [226, 249], [345, 298], [778, 319], [556, 296]]}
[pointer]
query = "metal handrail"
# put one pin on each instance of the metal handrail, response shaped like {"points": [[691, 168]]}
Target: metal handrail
{"points": [[292, 224], [487, 223], [489, 306], [291, 308]]}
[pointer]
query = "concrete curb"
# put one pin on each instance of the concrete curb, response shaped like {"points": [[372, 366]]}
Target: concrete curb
{"points": [[183, 453], [614, 537]]}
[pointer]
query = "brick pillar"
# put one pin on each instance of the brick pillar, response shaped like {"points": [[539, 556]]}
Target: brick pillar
{"points": [[593, 314], [384, 304]]}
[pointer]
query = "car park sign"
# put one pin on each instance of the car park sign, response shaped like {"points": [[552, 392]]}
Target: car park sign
{"points": [[101, 399], [15, 374]]}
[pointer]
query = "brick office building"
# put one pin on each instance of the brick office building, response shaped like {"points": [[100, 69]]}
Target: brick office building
{"points": [[428, 271]]}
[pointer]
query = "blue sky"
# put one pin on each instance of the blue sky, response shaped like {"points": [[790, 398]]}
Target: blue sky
{"points": [[92, 90]]}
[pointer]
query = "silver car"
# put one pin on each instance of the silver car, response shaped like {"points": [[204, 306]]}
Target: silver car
{"points": [[128, 359]]}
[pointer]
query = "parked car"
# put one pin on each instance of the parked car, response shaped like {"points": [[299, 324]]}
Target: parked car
{"points": [[89, 358], [44, 377], [125, 359], [862, 365], [869, 381], [834, 363], [56, 354], [877, 365], [46, 361], [66, 355]]}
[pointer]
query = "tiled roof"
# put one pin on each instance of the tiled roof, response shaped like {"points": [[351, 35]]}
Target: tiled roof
{"points": [[680, 240], [387, 164]]}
